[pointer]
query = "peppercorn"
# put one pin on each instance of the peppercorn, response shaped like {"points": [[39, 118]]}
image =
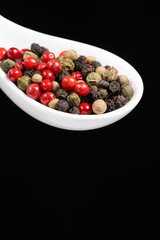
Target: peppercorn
{"points": [[120, 101], [53, 102], [87, 68], [93, 89], [99, 106], [114, 86], [62, 105], [71, 54], [23, 82], [93, 78], [123, 80], [73, 99], [110, 105], [103, 84], [127, 91], [67, 64], [37, 49], [29, 54], [110, 74], [61, 93], [7, 65], [79, 63], [74, 110], [30, 73], [100, 94], [37, 78], [100, 70], [95, 64], [56, 86], [103, 92], [61, 75], [90, 59]]}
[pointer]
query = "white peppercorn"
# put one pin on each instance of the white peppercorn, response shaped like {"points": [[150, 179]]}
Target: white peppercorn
{"points": [[53, 102], [37, 78], [99, 106]]}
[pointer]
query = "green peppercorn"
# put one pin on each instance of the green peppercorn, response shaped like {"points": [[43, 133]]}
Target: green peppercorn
{"points": [[67, 64], [29, 54], [23, 82], [93, 78], [7, 65], [110, 74], [127, 91], [73, 99]]}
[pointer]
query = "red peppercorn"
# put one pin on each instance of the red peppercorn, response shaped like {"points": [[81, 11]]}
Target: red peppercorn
{"points": [[13, 53], [47, 56], [14, 74], [55, 66], [30, 63], [48, 74], [46, 85], [78, 75], [24, 50], [62, 53], [20, 65], [34, 91], [41, 66], [68, 83], [85, 108], [3, 53], [81, 88], [46, 97]]}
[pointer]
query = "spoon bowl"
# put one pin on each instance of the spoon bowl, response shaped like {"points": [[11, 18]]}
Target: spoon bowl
{"points": [[14, 35]]}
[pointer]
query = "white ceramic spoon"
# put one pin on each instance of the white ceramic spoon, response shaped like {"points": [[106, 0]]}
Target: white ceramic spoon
{"points": [[14, 35]]}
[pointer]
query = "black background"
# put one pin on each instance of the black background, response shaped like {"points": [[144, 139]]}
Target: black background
{"points": [[74, 185]]}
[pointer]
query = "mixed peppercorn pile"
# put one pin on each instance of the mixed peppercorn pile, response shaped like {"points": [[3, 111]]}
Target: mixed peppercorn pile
{"points": [[70, 83]]}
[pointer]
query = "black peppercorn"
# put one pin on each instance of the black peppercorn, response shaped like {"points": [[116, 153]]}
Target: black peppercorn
{"points": [[62, 105], [74, 110], [114, 86], [120, 101], [30, 73], [103, 84], [61, 93], [61, 75], [79, 63], [110, 105], [37, 49], [87, 68], [96, 64]]}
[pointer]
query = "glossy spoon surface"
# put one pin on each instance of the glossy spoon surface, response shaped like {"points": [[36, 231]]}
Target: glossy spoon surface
{"points": [[14, 35]]}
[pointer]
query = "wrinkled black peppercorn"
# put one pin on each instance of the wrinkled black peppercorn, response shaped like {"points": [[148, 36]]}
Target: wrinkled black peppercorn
{"points": [[61, 93], [61, 75], [87, 68], [62, 105], [120, 101], [96, 64], [114, 86], [37, 49], [79, 63], [30, 73], [99, 95], [110, 105], [103, 84], [74, 110]]}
